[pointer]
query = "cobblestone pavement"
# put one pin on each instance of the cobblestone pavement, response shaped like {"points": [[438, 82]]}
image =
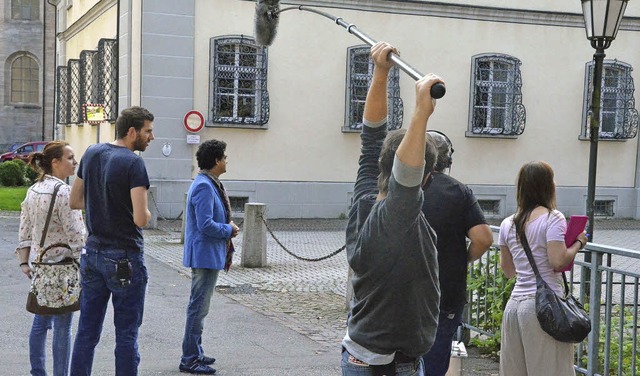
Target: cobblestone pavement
{"points": [[308, 297]]}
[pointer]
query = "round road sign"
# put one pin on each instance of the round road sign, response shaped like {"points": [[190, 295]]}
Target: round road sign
{"points": [[193, 121]]}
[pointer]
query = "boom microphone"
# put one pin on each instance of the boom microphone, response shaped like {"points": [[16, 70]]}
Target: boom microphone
{"points": [[266, 23]]}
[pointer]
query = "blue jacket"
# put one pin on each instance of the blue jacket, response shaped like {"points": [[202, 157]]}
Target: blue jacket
{"points": [[206, 231]]}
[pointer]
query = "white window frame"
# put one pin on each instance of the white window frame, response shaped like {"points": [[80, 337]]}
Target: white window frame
{"points": [[494, 87], [238, 73]]}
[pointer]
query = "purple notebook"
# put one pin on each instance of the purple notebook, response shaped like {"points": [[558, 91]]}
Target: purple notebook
{"points": [[576, 225]]}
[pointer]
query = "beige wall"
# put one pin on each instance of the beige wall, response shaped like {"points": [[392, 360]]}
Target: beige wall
{"points": [[570, 6], [306, 79]]}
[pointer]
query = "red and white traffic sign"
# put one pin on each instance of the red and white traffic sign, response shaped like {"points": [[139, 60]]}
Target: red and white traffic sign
{"points": [[193, 121]]}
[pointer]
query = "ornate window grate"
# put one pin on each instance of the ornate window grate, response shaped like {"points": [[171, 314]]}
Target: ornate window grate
{"points": [[603, 208], [89, 77], [75, 106], [618, 116], [360, 72], [496, 104], [237, 203], [238, 85], [62, 116], [490, 208], [108, 77]]}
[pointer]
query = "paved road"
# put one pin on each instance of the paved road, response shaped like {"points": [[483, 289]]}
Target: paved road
{"points": [[285, 319]]}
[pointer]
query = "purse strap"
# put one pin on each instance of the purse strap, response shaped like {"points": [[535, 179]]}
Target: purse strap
{"points": [[46, 223], [527, 250]]}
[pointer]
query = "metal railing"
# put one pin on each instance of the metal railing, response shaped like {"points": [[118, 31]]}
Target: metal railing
{"points": [[610, 295]]}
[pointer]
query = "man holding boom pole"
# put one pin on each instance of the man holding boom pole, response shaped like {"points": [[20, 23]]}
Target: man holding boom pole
{"points": [[390, 246]]}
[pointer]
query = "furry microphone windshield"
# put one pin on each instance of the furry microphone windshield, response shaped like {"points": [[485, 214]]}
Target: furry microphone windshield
{"points": [[266, 21]]}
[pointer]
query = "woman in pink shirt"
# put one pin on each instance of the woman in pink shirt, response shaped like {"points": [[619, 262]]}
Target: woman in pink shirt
{"points": [[526, 350]]}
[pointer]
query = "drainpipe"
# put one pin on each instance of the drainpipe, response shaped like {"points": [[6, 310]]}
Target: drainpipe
{"points": [[55, 65], [44, 65]]}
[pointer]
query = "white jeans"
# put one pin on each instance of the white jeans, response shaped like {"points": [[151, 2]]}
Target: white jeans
{"points": [[526, 349]]}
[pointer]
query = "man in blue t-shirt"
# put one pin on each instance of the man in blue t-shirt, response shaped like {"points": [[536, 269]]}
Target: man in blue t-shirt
{"points": [[112, 186]]}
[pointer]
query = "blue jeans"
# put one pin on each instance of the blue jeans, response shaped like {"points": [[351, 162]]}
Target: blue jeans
{"points": [[402, 369], [436, 361], [61, 325], [203, 282], [99, 283]]}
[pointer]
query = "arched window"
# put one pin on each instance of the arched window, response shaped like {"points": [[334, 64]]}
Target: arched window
{"points": [[28, 10], [360, 73], [25, 79], [618, 114], [496, 107]]}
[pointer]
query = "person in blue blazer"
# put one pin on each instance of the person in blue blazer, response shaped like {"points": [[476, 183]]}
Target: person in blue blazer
{"points": [[207, 241]]}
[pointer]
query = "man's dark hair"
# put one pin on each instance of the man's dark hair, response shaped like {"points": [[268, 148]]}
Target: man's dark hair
{"points": [[132, 117], [210, 152], [388, 153]]}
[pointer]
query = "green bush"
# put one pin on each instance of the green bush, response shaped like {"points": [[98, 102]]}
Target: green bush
{"points": [[30, 175], [492, 290], [12, 174]]}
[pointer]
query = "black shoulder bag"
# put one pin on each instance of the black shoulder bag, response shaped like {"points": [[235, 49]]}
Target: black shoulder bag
{"points": [[562, 318]]}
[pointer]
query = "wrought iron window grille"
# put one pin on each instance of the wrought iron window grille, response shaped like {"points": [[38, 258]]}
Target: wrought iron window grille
{"points": [[360, 73], [618, 115], [89, 76], [108, 77], [90, 79], [63, 102], [238, 85], [496, 107], [75, 106]]}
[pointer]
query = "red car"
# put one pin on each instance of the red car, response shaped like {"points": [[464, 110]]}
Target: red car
{"points": [[23, 151]]}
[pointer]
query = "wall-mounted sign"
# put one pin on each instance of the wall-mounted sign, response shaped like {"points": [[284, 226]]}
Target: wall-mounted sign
{"points": [[93, 113], [193, 121], [193, 139]]}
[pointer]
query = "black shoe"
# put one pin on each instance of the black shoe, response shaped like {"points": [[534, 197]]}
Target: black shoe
{"points": [[207, 360], [197, 368]]}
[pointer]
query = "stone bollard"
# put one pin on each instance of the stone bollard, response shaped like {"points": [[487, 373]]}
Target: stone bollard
{"points": [[254, 236], [152, 195]]}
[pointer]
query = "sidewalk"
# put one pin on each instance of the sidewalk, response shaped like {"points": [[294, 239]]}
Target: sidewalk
{"points": [[244, 341], [286, 319]]}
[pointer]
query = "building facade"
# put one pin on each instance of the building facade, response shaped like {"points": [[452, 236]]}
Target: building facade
{"points": [[518, 89], [27, 88]]}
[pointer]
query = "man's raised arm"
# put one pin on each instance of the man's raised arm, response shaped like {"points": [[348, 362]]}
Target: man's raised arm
{"points": [[412, 148]]}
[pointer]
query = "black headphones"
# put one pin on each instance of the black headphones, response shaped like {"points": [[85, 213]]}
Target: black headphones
{"points": [[450, 144]]}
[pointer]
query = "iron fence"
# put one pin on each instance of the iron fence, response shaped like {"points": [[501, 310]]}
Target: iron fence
{"points": [[610, 295]]}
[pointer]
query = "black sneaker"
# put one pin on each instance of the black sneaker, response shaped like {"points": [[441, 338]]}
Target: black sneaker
{"points": [[207, 360], [197, 368]]}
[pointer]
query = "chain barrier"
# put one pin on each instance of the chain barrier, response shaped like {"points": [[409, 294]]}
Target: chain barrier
{"points": [[296, 256], [155, 204]]}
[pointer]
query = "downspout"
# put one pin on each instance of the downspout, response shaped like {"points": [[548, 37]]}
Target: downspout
{"points": [[55, 75], [44, 65]]}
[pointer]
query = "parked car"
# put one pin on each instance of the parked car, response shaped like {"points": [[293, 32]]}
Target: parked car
{"points": [[23, 151]]}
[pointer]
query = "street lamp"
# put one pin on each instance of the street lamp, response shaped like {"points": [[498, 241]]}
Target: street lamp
{"points": [[601, 20]]}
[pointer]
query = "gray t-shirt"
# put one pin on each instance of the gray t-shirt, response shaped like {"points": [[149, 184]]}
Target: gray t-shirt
{"points": [[391, 249]]}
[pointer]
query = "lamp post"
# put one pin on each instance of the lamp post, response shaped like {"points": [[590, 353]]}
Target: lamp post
{"points": [[601, 20]]}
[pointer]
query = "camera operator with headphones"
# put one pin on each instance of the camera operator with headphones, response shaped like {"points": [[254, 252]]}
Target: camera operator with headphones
{"points": [[455, 215]]}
